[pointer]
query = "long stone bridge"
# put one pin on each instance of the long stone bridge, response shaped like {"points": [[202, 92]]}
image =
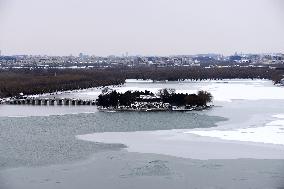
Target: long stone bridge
{"points": [[48, 101]]}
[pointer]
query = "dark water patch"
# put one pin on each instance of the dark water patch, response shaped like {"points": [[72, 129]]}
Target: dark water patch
{"points": [[33, 141]]}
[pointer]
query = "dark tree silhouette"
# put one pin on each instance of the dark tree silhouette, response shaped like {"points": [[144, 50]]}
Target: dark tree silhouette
{"points": [[114, 99], [38, 81]]}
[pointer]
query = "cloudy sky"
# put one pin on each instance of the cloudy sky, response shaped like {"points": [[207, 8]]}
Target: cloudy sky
{"points": [[145, 27]]}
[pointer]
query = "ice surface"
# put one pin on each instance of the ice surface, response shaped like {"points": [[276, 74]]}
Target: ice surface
{"points": [[251, 138], [272, 133]]}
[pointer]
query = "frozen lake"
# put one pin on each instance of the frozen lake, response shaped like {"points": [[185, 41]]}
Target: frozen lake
{"points": [[236, 144], [254, 129], [246, 122]]}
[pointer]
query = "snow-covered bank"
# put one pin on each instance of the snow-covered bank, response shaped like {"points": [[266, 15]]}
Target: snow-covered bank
{"points": [[138, 81], [236, 91], [222, 90]]}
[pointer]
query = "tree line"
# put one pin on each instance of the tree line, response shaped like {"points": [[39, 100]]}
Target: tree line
{"points": [[199, 73], [38, 81], [28, 82], [181, 99]]}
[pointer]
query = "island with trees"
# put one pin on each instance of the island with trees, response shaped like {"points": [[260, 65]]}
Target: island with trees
{"points": [[164, 100]]}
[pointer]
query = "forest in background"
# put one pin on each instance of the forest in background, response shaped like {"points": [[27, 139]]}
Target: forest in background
{"points": [[39, 81]]}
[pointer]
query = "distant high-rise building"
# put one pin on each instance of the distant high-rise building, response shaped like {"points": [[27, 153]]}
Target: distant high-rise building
{"points": [[81, 55]]}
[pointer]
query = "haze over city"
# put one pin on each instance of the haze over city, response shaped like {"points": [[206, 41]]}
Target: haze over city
{"points": [[160, 27]]}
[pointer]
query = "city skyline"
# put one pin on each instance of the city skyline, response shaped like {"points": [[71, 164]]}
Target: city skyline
{"points": [[146, 28], [126, 54]]}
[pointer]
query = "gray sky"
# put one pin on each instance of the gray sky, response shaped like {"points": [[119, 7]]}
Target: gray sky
{"points": [[145, 27]]}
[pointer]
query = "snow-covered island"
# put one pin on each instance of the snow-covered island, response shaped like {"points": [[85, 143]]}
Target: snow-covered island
{"points": [[164, 100]]}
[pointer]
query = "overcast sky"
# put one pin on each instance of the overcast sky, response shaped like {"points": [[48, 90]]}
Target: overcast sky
{"points": [[145, 27]]}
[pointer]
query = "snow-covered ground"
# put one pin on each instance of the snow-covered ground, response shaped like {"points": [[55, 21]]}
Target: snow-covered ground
{"points": [[233, 91], [225, 90]]}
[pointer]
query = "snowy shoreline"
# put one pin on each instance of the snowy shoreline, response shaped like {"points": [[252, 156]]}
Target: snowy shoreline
{"points": [[95, 91]]}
